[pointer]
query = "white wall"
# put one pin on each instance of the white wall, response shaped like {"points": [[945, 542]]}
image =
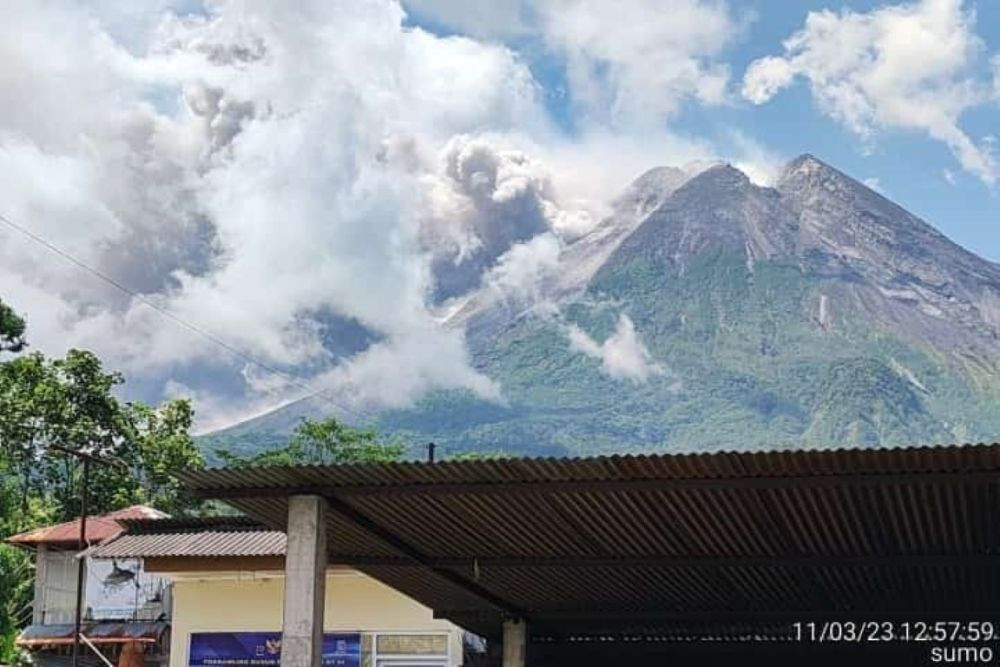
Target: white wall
{"points": [[137, 598], [55, 590], [55, 586]]}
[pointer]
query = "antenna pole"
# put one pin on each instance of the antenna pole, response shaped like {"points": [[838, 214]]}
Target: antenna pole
{"points": [[81, 564]]}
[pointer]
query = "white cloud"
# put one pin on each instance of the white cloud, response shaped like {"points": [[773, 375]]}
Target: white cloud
{"points": [[761, 165], [214, 411], [623, 355], [949, 176], [522, 272], [629, 63], [254, 165], [597, 166], [874, 183], [243, 171], [765, 77], [908, 66], [398, 371], [996, 78], [636, 61]]}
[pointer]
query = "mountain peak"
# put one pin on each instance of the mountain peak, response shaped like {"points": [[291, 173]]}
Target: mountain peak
{"points": [[809, 174], [721, 175], [807, 165], [650, 190], [805, 159], [659, 178]]}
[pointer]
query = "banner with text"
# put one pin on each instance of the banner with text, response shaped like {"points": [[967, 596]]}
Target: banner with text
{"points": [[263, 649]]}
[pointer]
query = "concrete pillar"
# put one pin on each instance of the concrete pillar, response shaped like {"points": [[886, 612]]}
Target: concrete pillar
{"points": [[515, 643], [305, 583]]}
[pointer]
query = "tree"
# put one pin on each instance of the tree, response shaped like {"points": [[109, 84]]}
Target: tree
{"points": [[26, 401], [16, 567], [159, 444], [16, 575], [323, 441], [11, 330], [70, 402]]}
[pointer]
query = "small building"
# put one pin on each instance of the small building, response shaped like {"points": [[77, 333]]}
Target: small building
{"points": [[122, 604], [226, 579]]}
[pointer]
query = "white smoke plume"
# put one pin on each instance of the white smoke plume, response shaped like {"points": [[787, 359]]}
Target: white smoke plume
{"points": [[623, 355]]}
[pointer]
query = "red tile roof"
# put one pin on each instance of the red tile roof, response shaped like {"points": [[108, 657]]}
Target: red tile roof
{"points": [[99, 528]]}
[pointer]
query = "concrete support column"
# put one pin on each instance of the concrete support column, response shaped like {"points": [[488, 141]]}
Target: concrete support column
{"points": [[515, 643], [305, 583]]}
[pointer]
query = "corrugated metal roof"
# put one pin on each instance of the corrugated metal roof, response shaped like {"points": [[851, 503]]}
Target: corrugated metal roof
{"points": [[717, 465], [635, 540], [208, 537], [237, 522], [99, 528]]}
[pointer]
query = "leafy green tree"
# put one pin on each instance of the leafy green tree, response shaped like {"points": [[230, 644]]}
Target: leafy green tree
{"points": [[158, 445], [70, 402], [16, 567], [11, 329], [323, 441], [16, 576], [27, 401]]}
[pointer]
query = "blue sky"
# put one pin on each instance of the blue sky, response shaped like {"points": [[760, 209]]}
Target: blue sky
{"points": [[908, 166]]}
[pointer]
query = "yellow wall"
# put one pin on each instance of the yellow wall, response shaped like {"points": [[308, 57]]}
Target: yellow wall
{"points": [[248, 601]]}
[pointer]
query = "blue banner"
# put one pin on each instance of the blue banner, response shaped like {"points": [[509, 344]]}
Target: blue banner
{"points": [[263, 649]]}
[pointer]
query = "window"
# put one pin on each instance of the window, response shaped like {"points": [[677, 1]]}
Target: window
{"points": [[58, 589], [411, 650], [410, 644]]}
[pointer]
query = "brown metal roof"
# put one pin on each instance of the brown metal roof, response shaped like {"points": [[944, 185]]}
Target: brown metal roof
{"points": [[363, 478], [209, 537], [105, 632], [638, 541], [99, 528]]}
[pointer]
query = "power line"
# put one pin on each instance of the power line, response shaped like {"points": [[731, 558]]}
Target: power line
{"points": [[245, 356]]}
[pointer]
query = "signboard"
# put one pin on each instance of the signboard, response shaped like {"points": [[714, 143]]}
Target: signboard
{"points": [[263, 649], [121, 590]]}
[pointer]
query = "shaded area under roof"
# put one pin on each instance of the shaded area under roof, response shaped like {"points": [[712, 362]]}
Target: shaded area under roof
{"points": [[726, 544]]}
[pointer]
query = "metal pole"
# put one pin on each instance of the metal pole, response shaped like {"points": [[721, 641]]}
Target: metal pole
{"points": [[81, 562], [430, 452], [97, 651]]}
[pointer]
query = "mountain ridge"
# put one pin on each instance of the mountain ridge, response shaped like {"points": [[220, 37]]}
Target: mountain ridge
{"points": [[815, 311]]}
